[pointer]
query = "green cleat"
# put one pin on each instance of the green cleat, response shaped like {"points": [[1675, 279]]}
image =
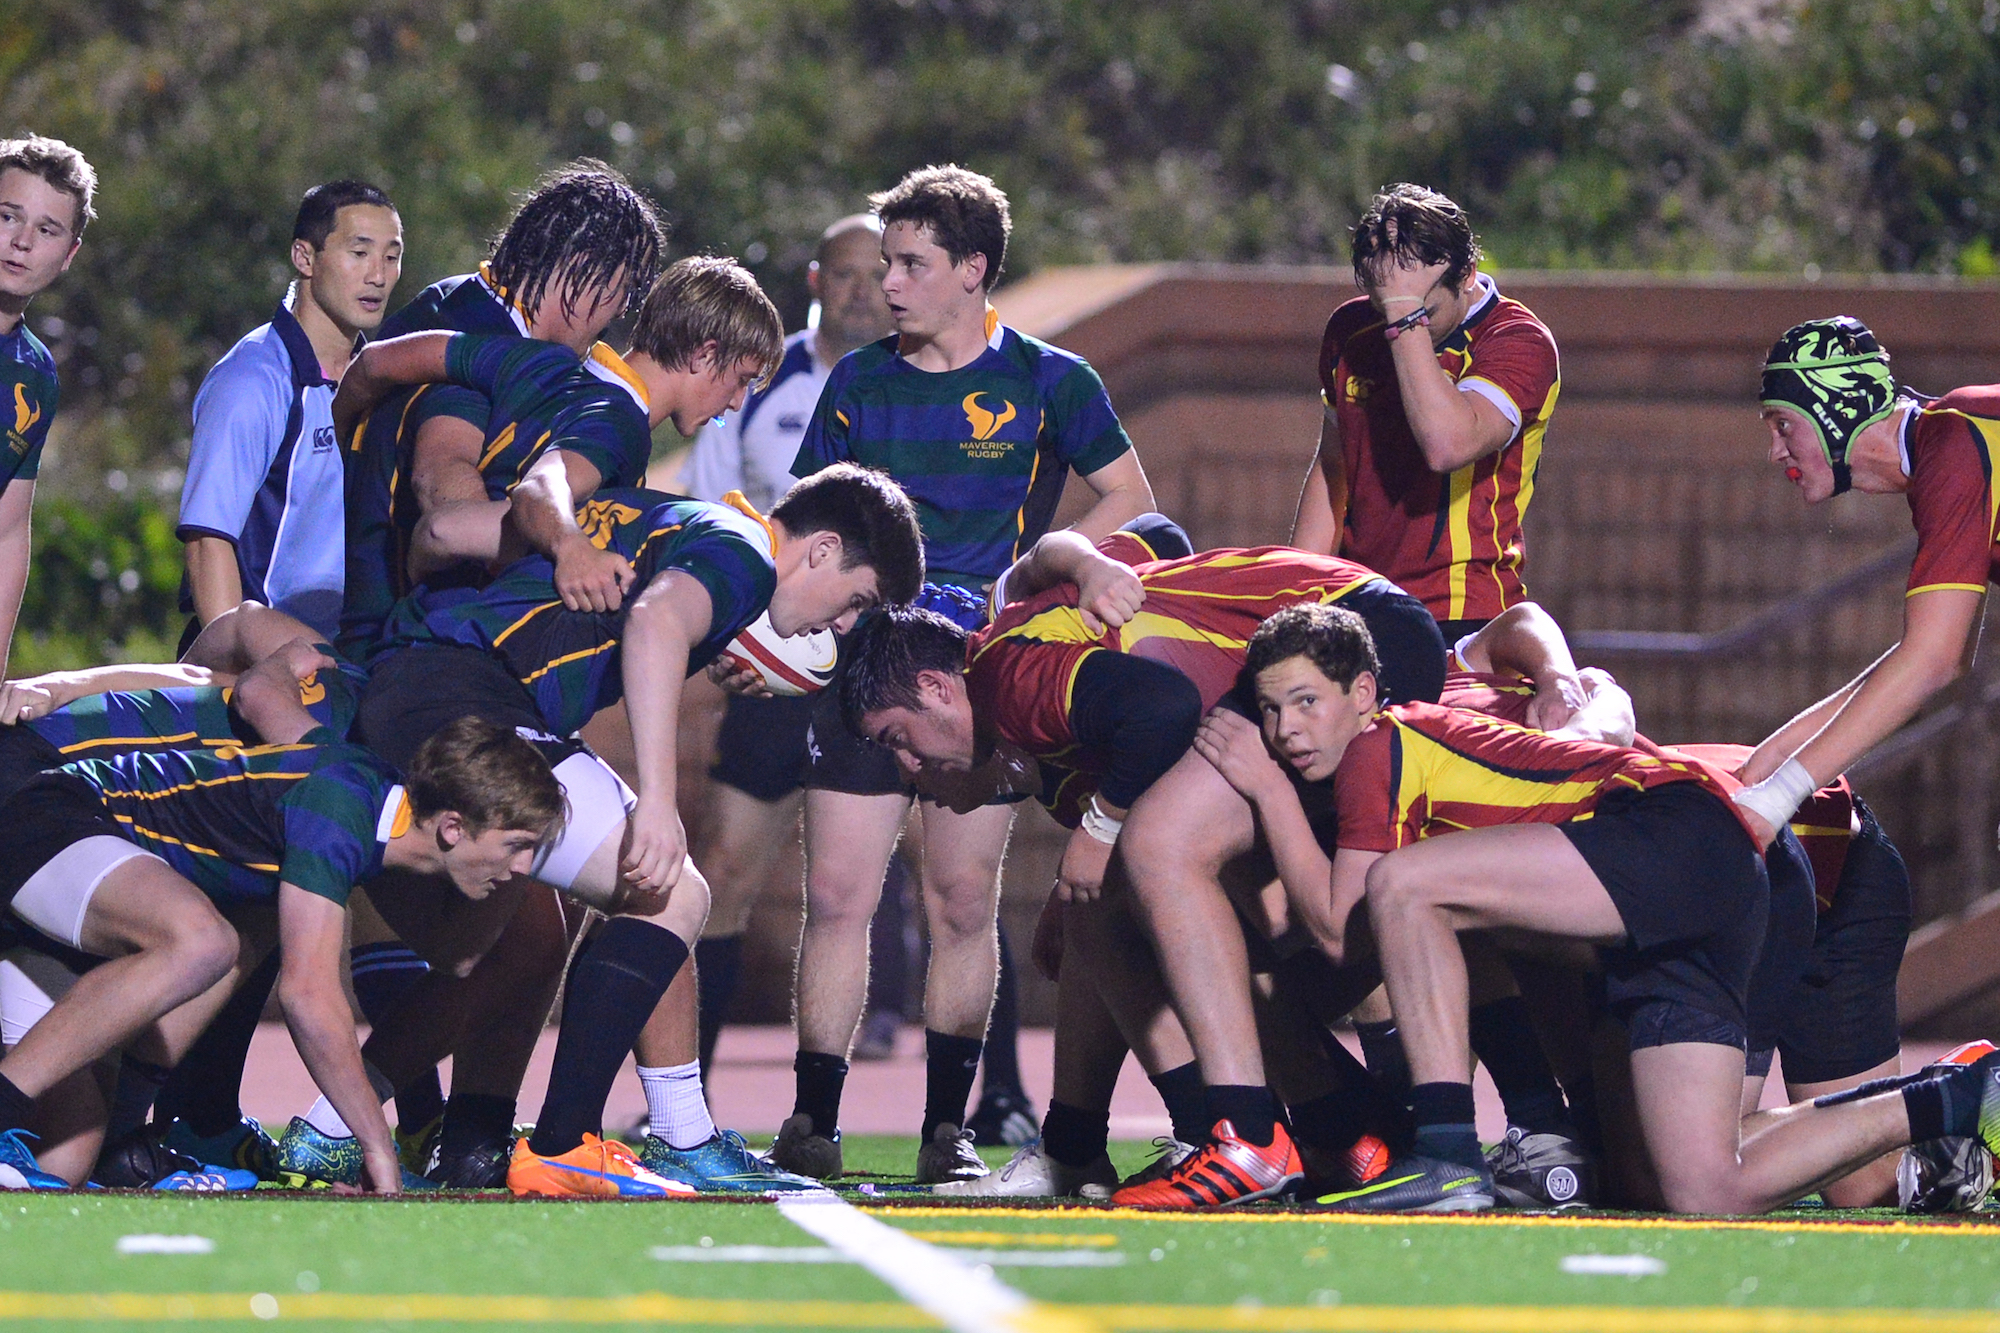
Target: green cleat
{"points": [[1418, 1185], [310, 1160], [723, 1165], [416, 1148]]}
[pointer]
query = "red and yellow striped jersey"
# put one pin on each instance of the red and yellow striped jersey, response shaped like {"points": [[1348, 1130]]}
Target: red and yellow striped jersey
{"points": [[1453, 539], [1824, 822], [1949, 447], [1198, 615], [1420, 770]]}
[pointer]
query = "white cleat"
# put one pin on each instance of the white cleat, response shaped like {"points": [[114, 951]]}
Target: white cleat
{"points": [[1033, 1174]]}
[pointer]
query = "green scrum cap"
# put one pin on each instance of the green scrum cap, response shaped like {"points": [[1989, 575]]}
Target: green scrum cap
{"points": [[1834, 374]]}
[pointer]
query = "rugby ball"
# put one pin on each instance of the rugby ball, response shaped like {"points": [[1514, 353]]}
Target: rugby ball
{"points": [[800, 664]]}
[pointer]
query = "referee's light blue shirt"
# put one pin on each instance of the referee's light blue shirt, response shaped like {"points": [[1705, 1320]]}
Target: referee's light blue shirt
{"points": [[264, 472]]}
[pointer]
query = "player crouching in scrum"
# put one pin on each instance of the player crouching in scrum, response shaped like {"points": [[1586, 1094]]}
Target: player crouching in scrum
{"points": [[134, 860]]}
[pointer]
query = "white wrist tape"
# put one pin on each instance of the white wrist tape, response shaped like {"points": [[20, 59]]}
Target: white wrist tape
{"points": [[1100, 825], [1776, 798]]}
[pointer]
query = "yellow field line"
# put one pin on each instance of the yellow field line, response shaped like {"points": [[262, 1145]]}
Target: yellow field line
{"points": [[1063, 1239], [656, 1308], [1892, 1227]]}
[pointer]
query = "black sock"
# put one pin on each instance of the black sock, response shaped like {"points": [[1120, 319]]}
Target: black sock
{"points": [[613, 989], [204, 1088], [1073, 1136], [139, 1082], [17, 1108], [1186, 1097], [1384, 1116], [1504, 1039], [1252, 1111], [1332, 1122], [950, 1064], [1382, 1048], [383, 973], [472, 1119], [1003, 1056], [1446, 1127], [820, 1078], [718, 962]]}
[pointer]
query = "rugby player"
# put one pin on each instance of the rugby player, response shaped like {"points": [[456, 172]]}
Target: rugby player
{"points": [[45, 203], [1838, 421], [1664, 876], [512, 652], [132, 860], [1116, 705], [981, 425], [571, 259], [1438, 392]]}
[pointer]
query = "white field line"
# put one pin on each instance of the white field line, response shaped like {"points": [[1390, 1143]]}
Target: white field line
{"points": [[153, 1243], [962, 1297], [1613, 1265]]}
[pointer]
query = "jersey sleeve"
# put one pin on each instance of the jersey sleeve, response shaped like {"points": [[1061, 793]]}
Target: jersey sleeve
{"points": [[1953, 499], [330, 824], [1364, 791], [612, 436], [239, 425], [1024, 688], [735, 571], [1139, 713], [826, 437], [1514, 368], [1088, 434], [714, 466]]}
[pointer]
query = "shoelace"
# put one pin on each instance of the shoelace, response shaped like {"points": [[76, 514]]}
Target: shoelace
{"points": [[1021, 1155]]}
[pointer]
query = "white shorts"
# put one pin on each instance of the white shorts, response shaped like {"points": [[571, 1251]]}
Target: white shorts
{"points": [[30, 984], [599, 801], [56, 897]]}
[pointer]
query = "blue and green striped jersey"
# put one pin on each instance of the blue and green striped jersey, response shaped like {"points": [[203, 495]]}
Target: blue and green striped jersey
{"points": [[545, 396], [569, 661], [381, 502], [983, 450], [28, 379], [186, 717], [238, 821]]}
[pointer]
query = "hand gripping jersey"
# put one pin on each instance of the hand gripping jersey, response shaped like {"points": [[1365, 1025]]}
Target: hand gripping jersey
{"points": [[187, 717], [1824, 822], [1420, 770], [1452, 539], [28, 379], [982, 450], [1197, 617], [237, 822], [570, 660], [381, 502], [1948, 448]]}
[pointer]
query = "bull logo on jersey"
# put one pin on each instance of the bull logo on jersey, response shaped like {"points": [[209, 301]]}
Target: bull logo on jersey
{"points": [[1357, 389], [984, 423], [599, 518], [311, 691], [26, 416]]}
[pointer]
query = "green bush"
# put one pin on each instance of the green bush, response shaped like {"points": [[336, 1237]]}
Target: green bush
{"points": [[103, 586]]}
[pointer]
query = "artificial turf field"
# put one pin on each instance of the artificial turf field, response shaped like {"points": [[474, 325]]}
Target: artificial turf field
{"points": [[475, 1261]]}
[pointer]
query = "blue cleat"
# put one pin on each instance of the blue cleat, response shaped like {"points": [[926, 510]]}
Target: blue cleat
{"points": [[244, 1146], [208, 1180], [18, 1168], [309, 1159], [723, 1165]]}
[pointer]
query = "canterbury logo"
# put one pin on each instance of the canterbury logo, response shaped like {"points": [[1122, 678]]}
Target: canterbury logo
{"points": [[599, 517], [26, 416], [1357, 389], [983, 422]]}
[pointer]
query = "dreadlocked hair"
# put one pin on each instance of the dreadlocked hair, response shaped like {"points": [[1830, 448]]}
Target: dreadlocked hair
{"points": [[581, 227]]}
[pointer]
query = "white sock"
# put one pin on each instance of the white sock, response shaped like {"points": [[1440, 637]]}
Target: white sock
{"points": [[679, 1111], [327, 1121]]}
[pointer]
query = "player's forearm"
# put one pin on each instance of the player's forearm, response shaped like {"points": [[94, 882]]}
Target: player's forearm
{"points": [[454, 533], [1303, 868], [1441, 418], [1123, 493], [544, 512], [1315, 527], [1523, 640], [15, 547], [1606, 716], [654, 666], [322, 1027], [1890, 695], [383, 367], [214, 582], [1058, 557], [66, 687]]}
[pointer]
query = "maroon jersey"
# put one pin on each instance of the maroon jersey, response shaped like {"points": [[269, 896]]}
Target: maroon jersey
{"points": [[1954, 495], [1824, 823], [1452, 540]]}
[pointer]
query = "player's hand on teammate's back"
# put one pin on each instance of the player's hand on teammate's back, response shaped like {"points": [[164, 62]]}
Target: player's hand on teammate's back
{"points": [[1234, 745], [21, 700], [657, 847], [1109, 594], [588, 579], [1046, 951], [1084, 860], [745, 681], [1556, 701], [1762, 832]]}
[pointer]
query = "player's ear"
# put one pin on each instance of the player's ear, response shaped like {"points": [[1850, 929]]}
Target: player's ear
{"points": [[450, 829], [302, 256], [1364, 692], [974, 270], [823, 547], [706, 359]]}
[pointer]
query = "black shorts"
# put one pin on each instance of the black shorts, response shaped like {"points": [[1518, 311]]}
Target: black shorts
{"points": [[24, 756], [1777, 984], [412, 693], [1454, 630], [1693, 894], [761, 748], [1845, 1021], [54, 812]]}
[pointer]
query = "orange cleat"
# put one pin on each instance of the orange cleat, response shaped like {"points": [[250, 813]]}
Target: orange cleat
{"points": [[1366, 1159], [1970, 1053], [598, 1169], [1222, 1173]]}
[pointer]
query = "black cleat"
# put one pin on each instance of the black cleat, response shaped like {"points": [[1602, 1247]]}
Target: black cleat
{"points": [[483, 1166], [1418, 1185]]}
